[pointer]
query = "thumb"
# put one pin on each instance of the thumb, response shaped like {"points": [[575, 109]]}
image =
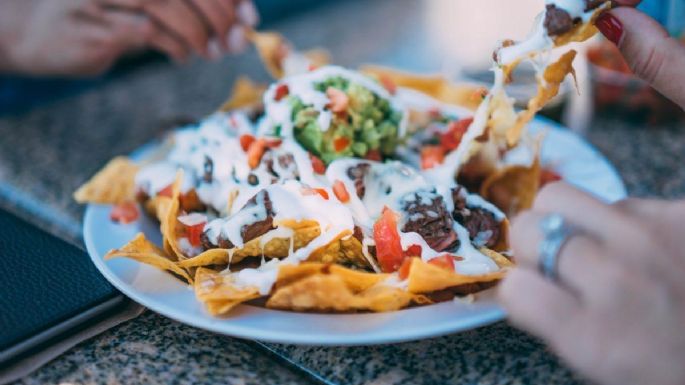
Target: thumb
{"points": [[651, 53]]}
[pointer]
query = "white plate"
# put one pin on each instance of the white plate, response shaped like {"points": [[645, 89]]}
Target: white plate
{"points": [[575, 159]]}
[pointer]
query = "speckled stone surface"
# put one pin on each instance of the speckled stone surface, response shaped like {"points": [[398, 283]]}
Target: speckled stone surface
{"points": [[495, 354], [155, 350], [46, 153]]}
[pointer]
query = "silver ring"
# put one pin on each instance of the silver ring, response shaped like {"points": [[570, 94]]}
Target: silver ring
{"points": [[556, 231]]}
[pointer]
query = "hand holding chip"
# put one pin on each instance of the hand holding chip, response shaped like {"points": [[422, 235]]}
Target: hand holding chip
{"points": [[648, 49], [617, 310], [85, 37]]}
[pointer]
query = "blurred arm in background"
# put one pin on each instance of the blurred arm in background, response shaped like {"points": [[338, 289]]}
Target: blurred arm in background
{"points": [[86, 37]]}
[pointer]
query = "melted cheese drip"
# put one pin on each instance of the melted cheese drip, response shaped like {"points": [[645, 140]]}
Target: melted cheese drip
{"points": [[538, 39]]}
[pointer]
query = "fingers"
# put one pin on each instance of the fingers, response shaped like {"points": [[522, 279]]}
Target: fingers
{"points": [[168, 44], [599, 219], [208, 27], [580, 262], [247, 13], [179, 19], [131, 31], [130, 26], [215, 18], [648, 49], [536, 304]]}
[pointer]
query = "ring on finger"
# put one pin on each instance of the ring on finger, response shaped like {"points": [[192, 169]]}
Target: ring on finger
{"points": [[556, 231]]}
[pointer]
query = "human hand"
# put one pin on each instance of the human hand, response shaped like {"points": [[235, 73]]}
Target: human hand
{"points": [[617, 313], [85, 37], [647, 47]]}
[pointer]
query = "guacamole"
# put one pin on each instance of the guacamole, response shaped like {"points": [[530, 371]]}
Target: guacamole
{"points": [[368, 126]]}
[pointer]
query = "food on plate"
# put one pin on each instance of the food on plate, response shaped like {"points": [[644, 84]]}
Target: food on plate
{"points": [[338, 190], [334, 113], [281, 59]]}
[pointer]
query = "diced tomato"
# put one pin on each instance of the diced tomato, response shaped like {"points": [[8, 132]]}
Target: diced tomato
{"points": [[432, 156], [245, 141], [444, 261], [312, 191], [282, 91], [317, 164], [339, 101], [124, 213], [434, 113], [255, 153], [272, 143], [548, 176], [455, 131], [388, 84], [166, 191], [190, 201], [374, 155], [413, 251], [194, 233], [341, 143], [322, 192], [340, 191], [388, 246], [405, 268], [311, 67]]}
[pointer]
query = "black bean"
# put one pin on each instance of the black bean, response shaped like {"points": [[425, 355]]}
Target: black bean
{"points": [[252, 180], [208, 169]]}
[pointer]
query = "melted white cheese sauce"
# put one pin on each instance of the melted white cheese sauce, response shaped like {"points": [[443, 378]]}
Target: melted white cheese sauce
{"points": [[392, 184]]}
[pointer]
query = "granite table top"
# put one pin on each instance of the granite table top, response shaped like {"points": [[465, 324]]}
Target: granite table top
{"points": [[47, 152]]}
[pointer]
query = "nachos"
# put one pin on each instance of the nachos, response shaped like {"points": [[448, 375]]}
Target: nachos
{"points": [[339, 190]]}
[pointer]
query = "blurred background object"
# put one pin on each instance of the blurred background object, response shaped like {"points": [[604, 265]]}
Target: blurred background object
{"points": [[19, 93], [459, 37]]}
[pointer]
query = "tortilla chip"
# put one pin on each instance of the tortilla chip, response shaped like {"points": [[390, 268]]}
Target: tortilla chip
{"points": [[272, 48], [342, 250], [513, 188], [114, 184], [352, 253], [355, 279], [218, 293], [583, 31], [274, 248], [318, 57], [548, 88], [245, 94], [167, 213], [427, 278], [329, 292], [303, 232], [501, 261], [144, 251], [206, 258], [436, 86]]}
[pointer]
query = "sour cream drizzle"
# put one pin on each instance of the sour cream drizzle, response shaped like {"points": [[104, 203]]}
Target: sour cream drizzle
{"points": [[233, 183]]}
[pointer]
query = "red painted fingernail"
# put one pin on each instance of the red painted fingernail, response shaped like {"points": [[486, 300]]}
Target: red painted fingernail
{"points": [[610, 26]]}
